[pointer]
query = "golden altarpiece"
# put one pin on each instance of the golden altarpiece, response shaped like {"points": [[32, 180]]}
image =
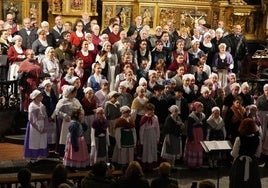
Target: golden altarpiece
{"points": [[21, 9], [188, 13], [69, 9], [252, 18]]}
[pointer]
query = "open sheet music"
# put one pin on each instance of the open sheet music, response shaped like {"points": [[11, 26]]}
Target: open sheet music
{"points": [[216, 145]]}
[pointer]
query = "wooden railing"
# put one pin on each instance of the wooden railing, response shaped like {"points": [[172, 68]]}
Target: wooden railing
{"points": [[9, 97]]}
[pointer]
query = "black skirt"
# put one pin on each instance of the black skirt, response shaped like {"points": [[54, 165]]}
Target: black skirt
{"points": [[237, 174]]}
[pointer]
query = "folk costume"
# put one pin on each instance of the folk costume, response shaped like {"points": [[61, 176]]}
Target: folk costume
{"points": [[149, 137], [125, 135], [76, 151], [35, 143], [196, 131], [99, 140]]}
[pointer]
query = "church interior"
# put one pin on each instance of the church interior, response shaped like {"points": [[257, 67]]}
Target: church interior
{"points": [[251, 15]]}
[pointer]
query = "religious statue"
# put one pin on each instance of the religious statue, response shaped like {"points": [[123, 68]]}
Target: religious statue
{"points": [[50, 6], [77, 4], [163, 17], [123, 17], [94, 6], [182, 19], [250, 24], [237, 2], [195, 17], [146, 17], [171, 16], [108, 15], [12, 9], [57, 5], [33, 11]]}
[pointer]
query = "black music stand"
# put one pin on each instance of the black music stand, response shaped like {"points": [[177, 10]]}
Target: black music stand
{"points": [[216, 147]]}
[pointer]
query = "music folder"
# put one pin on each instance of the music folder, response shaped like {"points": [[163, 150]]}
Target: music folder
{"points": [[216, 145]]}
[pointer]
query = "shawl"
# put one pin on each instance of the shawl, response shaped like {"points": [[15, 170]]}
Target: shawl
{"points": [[100, 126], [89, 106], [124, 123], [238, 113], [139, 103], [214, 123], [68, 78], [146, 118], [196, 118]]}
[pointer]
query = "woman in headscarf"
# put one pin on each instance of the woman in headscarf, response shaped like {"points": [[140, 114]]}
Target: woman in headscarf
{"points": [[172, 146], [125, 135], [262, 105], [196, 132], [50, 65], [16, 54], [50, 101], [233, 118], [222, 63], [63, 111], [39, 45], [89, 104], [35, 143], [108, 70], [216, 131], [149, 137], [76, 151], [99, 138]]}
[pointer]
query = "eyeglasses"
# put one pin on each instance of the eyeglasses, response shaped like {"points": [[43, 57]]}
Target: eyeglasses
{"points": [[79, 25]]}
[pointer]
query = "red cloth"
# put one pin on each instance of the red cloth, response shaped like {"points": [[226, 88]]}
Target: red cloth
{"points": [[12, 55], [34, 71], [96, 40], [146, 118], [75, 40], [88, 60], [113, 38], [89, 107]]}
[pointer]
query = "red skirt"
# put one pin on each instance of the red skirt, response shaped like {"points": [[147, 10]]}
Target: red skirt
{"points": [[193, 153]]}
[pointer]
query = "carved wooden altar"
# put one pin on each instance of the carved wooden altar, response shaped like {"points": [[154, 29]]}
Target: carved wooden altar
{"points": [[252, 18], [68, 9], [72, 9], [21, 9], [187, 13]]}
